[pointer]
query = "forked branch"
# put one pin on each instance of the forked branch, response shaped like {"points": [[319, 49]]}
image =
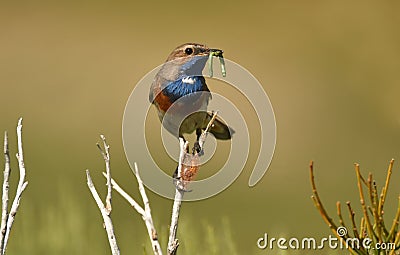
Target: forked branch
{"points": [[105, 209], [7, 218], [187, 167]]}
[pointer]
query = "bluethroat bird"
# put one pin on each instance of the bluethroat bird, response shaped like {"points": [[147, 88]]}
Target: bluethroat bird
{"points": [[180, 93]]}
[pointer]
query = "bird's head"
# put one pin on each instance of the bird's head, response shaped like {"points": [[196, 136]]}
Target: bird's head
{"points": [[188, 59]]}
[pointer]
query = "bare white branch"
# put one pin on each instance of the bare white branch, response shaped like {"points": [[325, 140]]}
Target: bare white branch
{"points": [[127, 197], [105, 209], [105, 213], [6, 186], [145, 213], [179, 191], [148, 219], [203, 136], [106, 156], [9, 218], [184, 158]]}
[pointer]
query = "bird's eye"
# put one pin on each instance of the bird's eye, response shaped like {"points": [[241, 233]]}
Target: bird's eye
{"points": [[188, 51]]}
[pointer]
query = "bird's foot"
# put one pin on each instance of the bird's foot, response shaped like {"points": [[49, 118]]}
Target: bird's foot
{"points": [[179, 183], [197, 149]]}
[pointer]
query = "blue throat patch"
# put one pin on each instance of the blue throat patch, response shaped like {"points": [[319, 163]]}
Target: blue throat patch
{"points": [[194, 66], [177, 89]]}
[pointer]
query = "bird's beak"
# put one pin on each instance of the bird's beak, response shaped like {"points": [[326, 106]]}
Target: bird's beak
{"points": [[216, 52]]}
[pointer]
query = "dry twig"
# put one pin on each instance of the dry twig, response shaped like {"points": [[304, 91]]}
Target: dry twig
{"points": [[106, 156], [7, 218], [173, 243], [186, 163], [187, 168], [105, 209]]}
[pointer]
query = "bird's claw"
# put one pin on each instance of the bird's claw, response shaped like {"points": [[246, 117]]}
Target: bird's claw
{"points": [[197, 149], [180, 184]]}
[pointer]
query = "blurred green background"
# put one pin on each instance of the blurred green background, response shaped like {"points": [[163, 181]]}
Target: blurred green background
{"points": [[331, 70]]}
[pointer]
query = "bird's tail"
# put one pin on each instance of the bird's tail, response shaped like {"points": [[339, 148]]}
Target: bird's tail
{"points": [[219, 129]]}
